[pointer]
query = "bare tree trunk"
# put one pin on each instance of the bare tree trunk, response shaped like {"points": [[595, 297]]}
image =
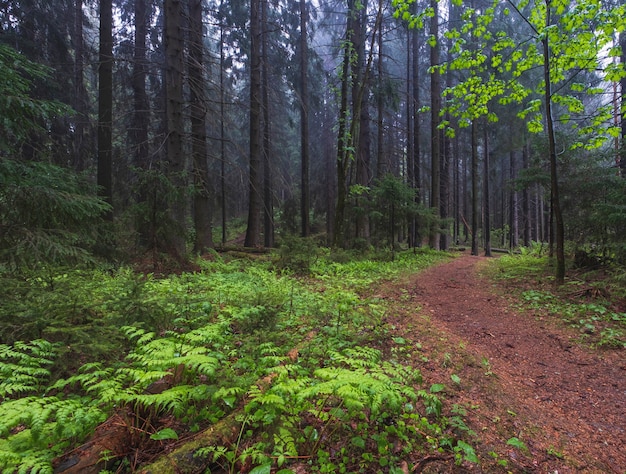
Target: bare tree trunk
{"points": [[304, 122], [527, 219], [174, 73], [80, 92], [513, 204], [487, 195], [222, 134], [268, 202], [475, 209], [202, 209], [554, 182], [105, 103], [435, 97], [417, 155], [253, 232]]}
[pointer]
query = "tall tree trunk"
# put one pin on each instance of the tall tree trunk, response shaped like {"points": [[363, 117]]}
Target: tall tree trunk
{"points": [[487, 194], [475, 209], [141, 119], [415, 96], [222, 120], [80, 97], [202, 209], [305, 196], [435, 97], [360, 112], [622, 153], [554, 182], [174, 73], [253, 232], [105, 103], [344, 140], [268, 202], [513, 204], [382, 162], [527, 219]]}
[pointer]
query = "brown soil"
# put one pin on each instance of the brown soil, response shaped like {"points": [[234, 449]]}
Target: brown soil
{"points": [[523, 375]]}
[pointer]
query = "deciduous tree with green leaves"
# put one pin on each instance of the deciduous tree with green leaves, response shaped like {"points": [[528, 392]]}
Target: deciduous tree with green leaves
{"points": [[569, 42]]}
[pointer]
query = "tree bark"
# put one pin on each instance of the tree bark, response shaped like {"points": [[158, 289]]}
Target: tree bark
{"points": [[105, 104], [202, 209], [554, 182], [304, 123], [487, 194], [268, 202], [253, 232], [435, 97], [475, 209], [174, 73]]}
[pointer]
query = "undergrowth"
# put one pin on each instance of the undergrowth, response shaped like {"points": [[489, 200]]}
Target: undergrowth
{"points": [[290, 354], [587, 300]]}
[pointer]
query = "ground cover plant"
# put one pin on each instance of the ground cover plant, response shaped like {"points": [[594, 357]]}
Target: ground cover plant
{"points": [[291, 358], [592, 300]]}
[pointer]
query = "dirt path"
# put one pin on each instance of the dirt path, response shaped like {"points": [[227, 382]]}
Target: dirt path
{"points": [[521, 376]]}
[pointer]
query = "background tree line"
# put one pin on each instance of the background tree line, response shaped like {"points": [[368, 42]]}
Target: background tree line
{"points": [[361, 122]]}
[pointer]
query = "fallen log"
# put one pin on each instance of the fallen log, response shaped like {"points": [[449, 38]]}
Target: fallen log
{"points": [[184, 460]]}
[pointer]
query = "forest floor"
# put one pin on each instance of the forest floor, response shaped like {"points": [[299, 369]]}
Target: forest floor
{"points": [[522, 374]]}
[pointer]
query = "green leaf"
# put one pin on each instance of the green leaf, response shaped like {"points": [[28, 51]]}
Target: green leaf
{"points": [[517, 443], [437, 387], [166, 433], [263, 469], [455, 378]]}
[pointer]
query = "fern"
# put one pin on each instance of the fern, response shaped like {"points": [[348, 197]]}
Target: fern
{"points": [[22, 367]]}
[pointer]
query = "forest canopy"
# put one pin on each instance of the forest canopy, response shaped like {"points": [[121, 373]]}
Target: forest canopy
{"points": [[205, 123]]}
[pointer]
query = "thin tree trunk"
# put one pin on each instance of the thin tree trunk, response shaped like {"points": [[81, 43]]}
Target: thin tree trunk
{"points": [[222, 134], [202, 210], [174, 73], [417, 175], [268, 203], [253, 232], [435, 97], [80, 92], [105, 104], [487, 195], [304, 122], [554, 182], [527, 219], [513, 204], [475, 209]]}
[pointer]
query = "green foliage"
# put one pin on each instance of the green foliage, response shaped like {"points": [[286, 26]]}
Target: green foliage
{"points": [[195, 347], [48, 215], [21, 113]]}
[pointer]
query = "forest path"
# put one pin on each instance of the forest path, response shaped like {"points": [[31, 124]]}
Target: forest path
{"points": [[522, 375]]}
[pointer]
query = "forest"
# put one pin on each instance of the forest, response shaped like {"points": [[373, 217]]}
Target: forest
{"points": [[203, 203]]}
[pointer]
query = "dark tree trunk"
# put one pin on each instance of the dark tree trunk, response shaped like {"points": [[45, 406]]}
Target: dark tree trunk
{"points": [[222, 134], [415, 96], [253, 232], [554, 182], [174, 73], [622, 153], [344, 141], [513, 204], [305, 196], [141, 119], [202, 209], [487, 194], [435, 97], [80, 92], [268, 202], [475, 209], [105, 103], [526, 218]]}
